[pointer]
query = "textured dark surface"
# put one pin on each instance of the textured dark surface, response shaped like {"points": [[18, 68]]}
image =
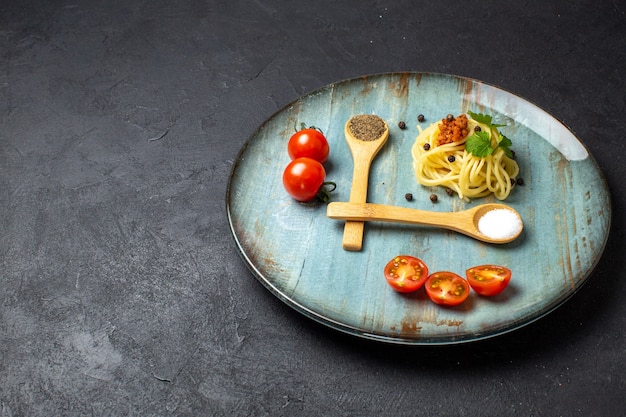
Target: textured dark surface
{"points": [[121, 292]]}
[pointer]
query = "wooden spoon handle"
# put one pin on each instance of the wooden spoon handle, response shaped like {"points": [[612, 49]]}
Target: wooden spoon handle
{"points": [[353, 230], [458, 221]]}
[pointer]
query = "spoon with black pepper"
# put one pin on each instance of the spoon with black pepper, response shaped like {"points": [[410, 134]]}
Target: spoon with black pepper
{"points": [[365, 134]]}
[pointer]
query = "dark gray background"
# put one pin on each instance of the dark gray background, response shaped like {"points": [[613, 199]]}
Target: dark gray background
{"points": [[121, 291]]}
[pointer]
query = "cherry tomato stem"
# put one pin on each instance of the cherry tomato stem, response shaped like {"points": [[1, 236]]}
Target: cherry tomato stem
{"points": [[304, 126], [324, 193]]}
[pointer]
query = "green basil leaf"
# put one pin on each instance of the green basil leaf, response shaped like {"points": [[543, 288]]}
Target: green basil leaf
{"points": [[479, 144]]}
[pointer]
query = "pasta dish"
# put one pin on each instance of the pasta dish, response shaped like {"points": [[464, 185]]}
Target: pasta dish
{"points": [[466, 154]]}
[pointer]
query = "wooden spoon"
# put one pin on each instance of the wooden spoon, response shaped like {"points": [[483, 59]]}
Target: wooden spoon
{"points": [[465, 222], [365, 134]]}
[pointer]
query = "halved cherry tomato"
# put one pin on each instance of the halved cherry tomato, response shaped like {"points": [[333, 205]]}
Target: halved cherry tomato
{"points": [[303, 178], [309, 143], [447, 288], [406, 273], [488, 280]]}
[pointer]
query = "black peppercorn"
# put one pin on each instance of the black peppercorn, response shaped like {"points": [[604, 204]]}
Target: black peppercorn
{"points": [[449, 191], [433, 198], [420, 118], [450, 117], [426, 146], [477, 129], [451, 158], [408, 196], [520, 181], [402, 125]]}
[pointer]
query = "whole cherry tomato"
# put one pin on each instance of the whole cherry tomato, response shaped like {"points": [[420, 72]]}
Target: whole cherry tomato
{"points": [[303, 178], [488, 280], [310, 143], [406, 273]]}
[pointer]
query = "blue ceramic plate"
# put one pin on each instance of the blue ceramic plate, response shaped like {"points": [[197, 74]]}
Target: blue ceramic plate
{"points": [[295, 250]]}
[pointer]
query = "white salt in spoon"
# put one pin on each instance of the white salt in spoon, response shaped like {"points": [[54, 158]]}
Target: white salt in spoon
{"points": [[491, 223]]}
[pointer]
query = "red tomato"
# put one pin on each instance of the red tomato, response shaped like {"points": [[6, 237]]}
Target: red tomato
{"points": [[488, 280], [310, 143], [303, 178], [406, 273], [447, 288]]}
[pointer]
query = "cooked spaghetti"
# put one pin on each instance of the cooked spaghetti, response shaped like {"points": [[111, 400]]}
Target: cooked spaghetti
{"points": [[440, 158]]}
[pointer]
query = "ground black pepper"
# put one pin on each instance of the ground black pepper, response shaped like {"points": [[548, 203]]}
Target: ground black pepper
{"points": [[367, 127]]}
